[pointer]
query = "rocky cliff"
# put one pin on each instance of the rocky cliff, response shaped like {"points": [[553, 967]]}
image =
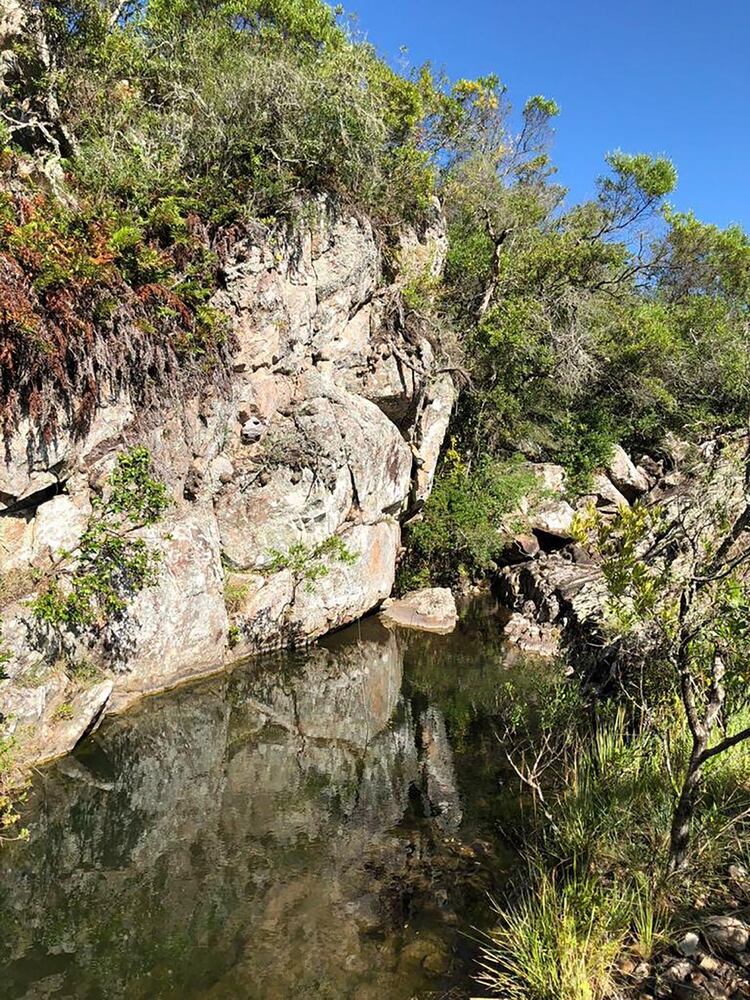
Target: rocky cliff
{"points": [[555, 587], [326, 423]]}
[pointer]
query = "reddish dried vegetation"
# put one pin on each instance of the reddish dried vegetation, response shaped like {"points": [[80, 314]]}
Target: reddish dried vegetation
{"points": [[75, 325]]}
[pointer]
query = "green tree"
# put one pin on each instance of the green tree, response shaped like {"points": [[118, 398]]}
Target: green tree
{"points": [[679, 596]]}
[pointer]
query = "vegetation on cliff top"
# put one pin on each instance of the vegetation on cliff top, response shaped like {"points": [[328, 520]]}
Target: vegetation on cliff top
{"points": [[139, 141], [164, 128]]}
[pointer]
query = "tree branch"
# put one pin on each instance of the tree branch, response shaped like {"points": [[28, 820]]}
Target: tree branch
{"points": [[725, 744]]}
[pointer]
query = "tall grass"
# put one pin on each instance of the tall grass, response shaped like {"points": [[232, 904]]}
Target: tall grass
{"points": [[598, 883], [558, 940]]}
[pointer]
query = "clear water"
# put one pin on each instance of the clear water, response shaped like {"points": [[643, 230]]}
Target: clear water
{"points": [[324, 824]]}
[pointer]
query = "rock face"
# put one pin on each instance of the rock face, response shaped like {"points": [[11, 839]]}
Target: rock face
{"points": [[432, 609], [81, 716], [329, 424], [554, 518], [630, 481], [550, 595], [554, 587]]}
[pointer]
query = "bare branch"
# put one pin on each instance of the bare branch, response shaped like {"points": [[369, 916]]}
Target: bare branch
{"points": [[725, 744]]}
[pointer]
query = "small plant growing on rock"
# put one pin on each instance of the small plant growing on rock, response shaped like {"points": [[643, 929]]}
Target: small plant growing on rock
{"points": [[235, 592], [310, 563], [83, 672], [93, 585], [4, 655], [307, 564]]}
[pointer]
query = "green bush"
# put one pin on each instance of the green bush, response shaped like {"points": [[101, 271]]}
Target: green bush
{"points": [[466, 522], [614, 321], [239, 107], [94, 585], [310, 563]]}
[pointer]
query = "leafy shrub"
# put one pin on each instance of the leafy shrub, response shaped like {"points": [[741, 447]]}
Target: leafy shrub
{"points": [[110, 565], [240, 105], [465, 523], [310, 563], [616, 320], [585, 444]]}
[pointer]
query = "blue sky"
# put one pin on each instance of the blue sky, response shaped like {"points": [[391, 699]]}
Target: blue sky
{"points": [[666, 76]]}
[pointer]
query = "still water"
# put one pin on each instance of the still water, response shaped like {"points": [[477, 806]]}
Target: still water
{"points": [[325, 824]]}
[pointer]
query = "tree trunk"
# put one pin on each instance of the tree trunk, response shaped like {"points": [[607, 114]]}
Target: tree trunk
{"points": [[682, 819]]}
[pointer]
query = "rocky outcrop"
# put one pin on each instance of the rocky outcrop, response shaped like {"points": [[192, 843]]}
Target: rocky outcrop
{"points": [[555, 517], [530, 636], [327, 424], [632, 482], [555, 588]]}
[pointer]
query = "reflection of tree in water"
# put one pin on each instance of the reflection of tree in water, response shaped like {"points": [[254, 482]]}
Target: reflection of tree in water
{"points": [[473, 677]]}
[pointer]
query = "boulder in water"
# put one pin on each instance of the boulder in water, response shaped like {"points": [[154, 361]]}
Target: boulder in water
{"points": [[432, 609]]}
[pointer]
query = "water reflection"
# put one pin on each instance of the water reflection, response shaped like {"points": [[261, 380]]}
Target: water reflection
{"points": [[288, 830]]}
